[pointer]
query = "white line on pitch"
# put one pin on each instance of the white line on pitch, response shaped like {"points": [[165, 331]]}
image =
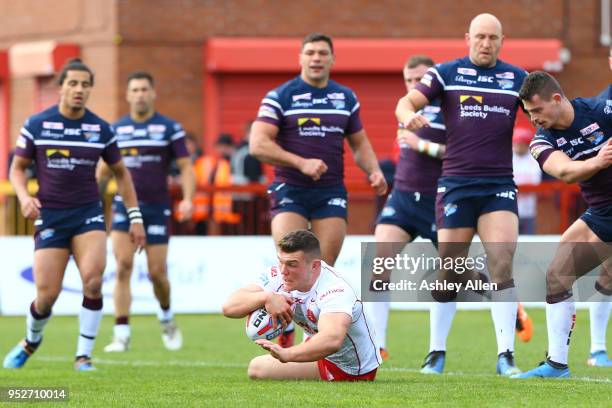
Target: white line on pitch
{"points": [[212, 364]]}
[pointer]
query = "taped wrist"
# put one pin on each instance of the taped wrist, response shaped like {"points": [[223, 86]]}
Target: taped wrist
{"points": [[134, 215]]}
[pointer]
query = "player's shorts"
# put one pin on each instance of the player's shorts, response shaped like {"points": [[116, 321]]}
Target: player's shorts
{"points": [[331, 372], [56, 227], [462, 200], [411, 211], [310, 203], [156, 219], [599, 221]]}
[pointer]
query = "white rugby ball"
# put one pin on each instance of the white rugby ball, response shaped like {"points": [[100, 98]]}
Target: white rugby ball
{"points": [[259, 325]]}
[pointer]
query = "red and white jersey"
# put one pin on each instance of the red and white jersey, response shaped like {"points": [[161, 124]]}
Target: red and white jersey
{"points": [[332, 294]]}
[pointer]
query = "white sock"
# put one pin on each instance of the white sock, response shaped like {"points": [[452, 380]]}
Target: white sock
{"points": [[90, 317], [378, 314], [165, 315], [503, 310], [34, 325], [599, 313], [122, 331], [441, 317], [560, 318]]}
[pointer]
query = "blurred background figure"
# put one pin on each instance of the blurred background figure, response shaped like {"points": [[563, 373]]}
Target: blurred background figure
{"points": [[213, 211], [247, 169], [526, 171]]}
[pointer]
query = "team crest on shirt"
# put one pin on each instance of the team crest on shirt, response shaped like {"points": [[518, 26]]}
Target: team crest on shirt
{"points": [[338, 104], [156, 132], [596, 138], [505, 83], [91, 136]]}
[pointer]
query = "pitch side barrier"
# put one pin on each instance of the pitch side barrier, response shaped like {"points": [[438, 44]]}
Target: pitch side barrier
{"points": [[203, 271], [557, 207]]}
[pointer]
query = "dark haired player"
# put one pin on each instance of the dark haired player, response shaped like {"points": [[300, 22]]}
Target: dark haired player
{"points": [[65, 142]]}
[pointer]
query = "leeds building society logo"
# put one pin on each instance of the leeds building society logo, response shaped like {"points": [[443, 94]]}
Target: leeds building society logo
{"points": [[474, 106], [312, 127]]}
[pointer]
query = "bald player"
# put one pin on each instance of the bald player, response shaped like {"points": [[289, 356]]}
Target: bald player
{"points": [[476, 192]]}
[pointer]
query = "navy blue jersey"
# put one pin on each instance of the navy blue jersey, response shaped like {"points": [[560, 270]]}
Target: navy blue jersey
{"points": [[417, 171], [588, 133], [607, 95], [312, 123], [66, 152], [148, 148], [479, 107]]}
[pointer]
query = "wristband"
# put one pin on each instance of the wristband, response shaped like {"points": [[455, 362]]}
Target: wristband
{"points": [[433, 149], [423, 146], [134, 215]]}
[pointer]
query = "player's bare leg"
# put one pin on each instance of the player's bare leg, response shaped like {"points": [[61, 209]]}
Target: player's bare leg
{"points": [[378, 312], [267, 367], [282, 224], [579, 252], [89, 251], [49, 267], [122, 295], [453, 242], [331, 232], [157, 256], [286, 222]]}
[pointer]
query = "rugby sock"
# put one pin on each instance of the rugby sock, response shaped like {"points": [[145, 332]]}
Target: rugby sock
{"points": [[441, 317], [599, 314], [378, 314], [90, 316], [35, 323], [165, 314], [504, 307], [122, 328], [560, 319]]}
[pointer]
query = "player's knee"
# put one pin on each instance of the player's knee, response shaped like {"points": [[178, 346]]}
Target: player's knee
{"points": [[255, 370], [92, 286], [124, 268], [501, 270], [45, 302], [158, 275]]}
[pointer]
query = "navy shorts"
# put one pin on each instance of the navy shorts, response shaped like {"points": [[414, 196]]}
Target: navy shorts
{"points": [[311, 203], [156, 218], [411, 211], [56, 226], [599, 221], [462, 200]]}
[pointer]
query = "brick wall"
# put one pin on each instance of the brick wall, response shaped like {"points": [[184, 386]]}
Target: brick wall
{"points": [[165, 37]]}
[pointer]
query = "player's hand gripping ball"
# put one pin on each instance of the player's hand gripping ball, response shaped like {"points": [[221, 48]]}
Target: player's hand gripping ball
{"points": [[259, 325]]}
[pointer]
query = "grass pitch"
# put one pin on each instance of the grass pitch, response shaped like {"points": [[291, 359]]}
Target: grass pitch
{"points": [[210, 370]]}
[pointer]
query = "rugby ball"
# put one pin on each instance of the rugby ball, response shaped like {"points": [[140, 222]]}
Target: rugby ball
{"points": [[259, 325]]}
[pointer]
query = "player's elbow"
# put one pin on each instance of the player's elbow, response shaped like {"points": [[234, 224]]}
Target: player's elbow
{"points": [[255, 148], [568, 176], [335, 344], [232, 310]]}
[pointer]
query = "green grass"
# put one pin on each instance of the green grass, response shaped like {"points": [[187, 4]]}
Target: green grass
{"points": [[211, 368]]}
